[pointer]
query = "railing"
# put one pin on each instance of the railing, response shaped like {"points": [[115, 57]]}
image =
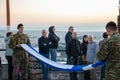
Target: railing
{"points": [[2, 49]]}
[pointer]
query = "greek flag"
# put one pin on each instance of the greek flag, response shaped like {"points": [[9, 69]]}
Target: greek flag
{"points": [[34, 53]]}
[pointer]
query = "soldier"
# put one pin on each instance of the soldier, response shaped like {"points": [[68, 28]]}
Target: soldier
{"points": [[19, 54], [110, 51]]}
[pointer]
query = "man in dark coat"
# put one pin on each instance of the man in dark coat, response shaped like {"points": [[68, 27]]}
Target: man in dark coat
{"points": [[73, 51], [68, 37], [43, 44]]}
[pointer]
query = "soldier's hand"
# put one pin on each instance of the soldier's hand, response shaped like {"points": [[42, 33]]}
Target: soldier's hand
{"points": [[18, 45]]}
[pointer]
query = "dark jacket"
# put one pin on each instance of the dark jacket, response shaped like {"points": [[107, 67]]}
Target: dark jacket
{"points": [[73, 48], [43, 44], [53, 38], [68, 37], [84, 48]]}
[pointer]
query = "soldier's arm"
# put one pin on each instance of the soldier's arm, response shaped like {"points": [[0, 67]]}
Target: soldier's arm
{"points": [[103, 52], [28, 41], [11, 43]]}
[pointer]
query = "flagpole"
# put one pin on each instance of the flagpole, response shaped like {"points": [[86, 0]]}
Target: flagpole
{"points": [[8, 15]]}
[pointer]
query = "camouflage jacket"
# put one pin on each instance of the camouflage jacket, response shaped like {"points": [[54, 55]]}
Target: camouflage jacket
{"points": [[18, 39], [110, 51]]}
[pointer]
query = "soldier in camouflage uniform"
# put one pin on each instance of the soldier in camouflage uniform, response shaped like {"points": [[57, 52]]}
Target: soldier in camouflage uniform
{"points": [[19, 54], [110, 51]]}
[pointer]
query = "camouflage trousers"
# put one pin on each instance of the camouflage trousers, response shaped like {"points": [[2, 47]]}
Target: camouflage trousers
{"points": [[22, 63]]}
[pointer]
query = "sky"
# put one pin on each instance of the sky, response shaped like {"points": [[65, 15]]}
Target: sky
{"points": [[37, 12]]}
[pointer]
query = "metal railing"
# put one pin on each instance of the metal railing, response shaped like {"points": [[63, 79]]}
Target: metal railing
{"points": [[2, 49]]}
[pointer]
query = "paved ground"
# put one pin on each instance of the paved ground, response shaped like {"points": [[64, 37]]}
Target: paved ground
{"points": [[3, 72]]}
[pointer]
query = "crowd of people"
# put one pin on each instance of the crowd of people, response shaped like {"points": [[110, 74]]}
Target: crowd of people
{"points": [[78, 53]]}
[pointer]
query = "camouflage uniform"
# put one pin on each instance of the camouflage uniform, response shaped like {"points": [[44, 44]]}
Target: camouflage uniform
{"points": [[19, 55], [111, 52]]}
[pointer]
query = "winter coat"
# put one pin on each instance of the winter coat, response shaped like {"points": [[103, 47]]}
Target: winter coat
{"points": [[53, 38], [43, 44], [9, 51], [73, 48], [68, 37]]}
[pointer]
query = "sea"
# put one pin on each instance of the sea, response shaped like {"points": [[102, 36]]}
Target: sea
{"points": [[35, 32]]}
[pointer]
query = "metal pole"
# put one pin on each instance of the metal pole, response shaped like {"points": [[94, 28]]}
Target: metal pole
{"points": [[8, 14]]}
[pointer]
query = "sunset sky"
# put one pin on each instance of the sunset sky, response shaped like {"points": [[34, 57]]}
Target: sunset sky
{"points": [[38, 12]]}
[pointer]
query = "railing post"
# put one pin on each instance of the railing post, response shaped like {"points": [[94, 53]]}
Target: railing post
{"points": [[0, 61]]}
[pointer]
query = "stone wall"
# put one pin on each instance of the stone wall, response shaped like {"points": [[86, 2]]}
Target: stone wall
{"points": [[61, 75]]}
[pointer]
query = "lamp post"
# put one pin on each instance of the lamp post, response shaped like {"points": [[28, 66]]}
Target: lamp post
{"points": [[8, 15]]}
